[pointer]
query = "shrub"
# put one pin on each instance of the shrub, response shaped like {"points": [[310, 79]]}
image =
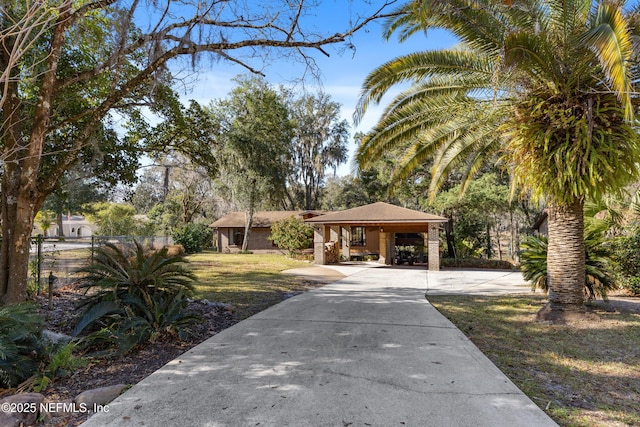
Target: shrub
{"points": [[60, 363], [26, 358], [494, 264], [627, 257], [20, 343], [291, 234], [194, 237], [633, 285], [175, 250], [135, 299], [599, 269]]}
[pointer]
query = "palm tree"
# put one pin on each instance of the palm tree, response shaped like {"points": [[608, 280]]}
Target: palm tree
{"points": [[543, 87]]}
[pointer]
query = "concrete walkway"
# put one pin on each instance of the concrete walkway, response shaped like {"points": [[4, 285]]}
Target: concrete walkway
{"points": [[368, 350]]}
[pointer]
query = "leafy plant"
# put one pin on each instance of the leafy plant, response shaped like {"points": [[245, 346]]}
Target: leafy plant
{"points": [[134, 299], [193, 237], [61, 362], [533, 261], [627, 256], [633, 285], [19, 343], [599, 267], [113, 219], [165, 316], [291, 234]]}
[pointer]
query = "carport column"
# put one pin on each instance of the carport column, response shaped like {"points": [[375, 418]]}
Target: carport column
{"points": [[433, 245], [318, 244], [334, 233], [386, 257], [346, 241]]}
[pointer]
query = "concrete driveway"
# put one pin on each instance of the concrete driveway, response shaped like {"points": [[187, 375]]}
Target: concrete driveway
{"points": [[367, 350]]}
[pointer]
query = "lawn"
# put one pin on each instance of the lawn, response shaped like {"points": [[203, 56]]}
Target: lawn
{"points": [[249, 282], [586, 373]]}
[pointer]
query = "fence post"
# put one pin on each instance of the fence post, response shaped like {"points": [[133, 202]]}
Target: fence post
{"points": [[39, 240], [93, 239], [52, 280]]}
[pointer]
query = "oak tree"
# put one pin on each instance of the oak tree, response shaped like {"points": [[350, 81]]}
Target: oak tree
{"points": [[71, 67]]}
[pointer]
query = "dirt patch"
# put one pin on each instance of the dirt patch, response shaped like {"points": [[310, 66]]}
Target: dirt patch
{"points": [[620, 303], [589, 312]]}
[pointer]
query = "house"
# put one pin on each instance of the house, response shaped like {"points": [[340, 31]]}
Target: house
{"points": [[541, 226], [375, 229], [72, 226], [228, 231]]}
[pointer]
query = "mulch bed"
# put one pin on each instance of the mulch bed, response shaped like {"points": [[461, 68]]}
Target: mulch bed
{"points": [[128, 369]]}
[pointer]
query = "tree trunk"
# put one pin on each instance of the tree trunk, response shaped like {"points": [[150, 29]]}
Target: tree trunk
{"points": [[489, 251], [566, 256], [59, 220], [497, 227], [17, 225], [249, 217], [20, 192], [512, 230], [247, 229], [448, 231]]}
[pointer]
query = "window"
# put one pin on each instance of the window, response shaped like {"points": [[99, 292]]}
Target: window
{"points": [[358, 236], [237, 236]]}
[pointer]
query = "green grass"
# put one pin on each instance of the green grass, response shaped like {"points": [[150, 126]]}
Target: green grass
{"points": [[586, 373], [249, 282]]}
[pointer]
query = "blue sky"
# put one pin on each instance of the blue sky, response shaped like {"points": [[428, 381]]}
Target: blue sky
{"points": [[342, 74]]}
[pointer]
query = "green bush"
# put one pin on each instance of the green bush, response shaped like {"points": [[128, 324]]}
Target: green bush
{"points": [[20, 343], [633, 285], [26, 358], [291, 234], [627, 257], [134, 299], [60, 363], [194, 237], [494, 264], [599, 267]]}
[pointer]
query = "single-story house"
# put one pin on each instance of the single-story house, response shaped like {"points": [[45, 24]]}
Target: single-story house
{"points": [[72, 226], [541, 226], [228, 231], [375, 229], [371, 230]]}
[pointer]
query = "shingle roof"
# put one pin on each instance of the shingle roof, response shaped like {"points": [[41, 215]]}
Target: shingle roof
{"points": [[376, 213], [260, 219]]}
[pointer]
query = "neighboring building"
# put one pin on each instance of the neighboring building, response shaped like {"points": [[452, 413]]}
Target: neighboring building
{"points": [[72, 226], [228, 231], [541, 226]]}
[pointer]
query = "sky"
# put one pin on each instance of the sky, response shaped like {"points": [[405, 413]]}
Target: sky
{"points": [[342, 74]]}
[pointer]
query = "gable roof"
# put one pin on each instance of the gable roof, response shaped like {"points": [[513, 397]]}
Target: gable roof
{"points": [[376, 213], [260, 219]]}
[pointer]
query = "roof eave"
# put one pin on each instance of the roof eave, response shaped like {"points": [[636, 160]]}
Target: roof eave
{"points": [[377, 222]]}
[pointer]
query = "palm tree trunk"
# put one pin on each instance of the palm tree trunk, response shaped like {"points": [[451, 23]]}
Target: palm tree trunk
{"points": [[566, 256]]}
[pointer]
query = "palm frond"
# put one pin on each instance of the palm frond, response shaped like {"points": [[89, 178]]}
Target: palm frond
{"points": [[419, 67], [566, 18], [610, 39], [472, 21], [531, 54]]}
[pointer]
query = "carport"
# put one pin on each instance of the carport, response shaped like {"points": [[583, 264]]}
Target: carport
{"points": [[370, 230]]}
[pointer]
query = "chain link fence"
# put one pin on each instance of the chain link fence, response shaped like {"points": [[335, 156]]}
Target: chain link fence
{"points": [[57, 260]]}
